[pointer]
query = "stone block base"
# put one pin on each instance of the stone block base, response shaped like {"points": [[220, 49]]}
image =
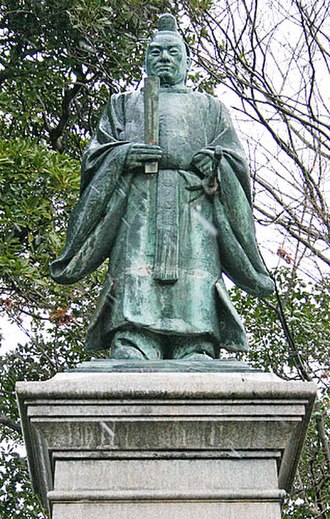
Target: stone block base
{"points": [[169, 510], [164, 445]]}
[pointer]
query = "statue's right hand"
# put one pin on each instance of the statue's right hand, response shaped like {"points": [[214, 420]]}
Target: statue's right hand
{"points": [[140, 153]]}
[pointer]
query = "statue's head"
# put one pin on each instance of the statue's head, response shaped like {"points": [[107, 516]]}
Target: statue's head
{"points": [[167, 54]]}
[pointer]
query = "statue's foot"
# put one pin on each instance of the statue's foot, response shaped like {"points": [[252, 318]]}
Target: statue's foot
{"points": [[197, 356], [125, 353]]}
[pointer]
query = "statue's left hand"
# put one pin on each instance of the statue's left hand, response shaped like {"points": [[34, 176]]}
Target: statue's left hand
{"points": [[203, 161]]}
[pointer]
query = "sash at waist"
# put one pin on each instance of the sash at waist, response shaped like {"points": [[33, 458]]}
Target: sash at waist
{"points": [[167, 235]]}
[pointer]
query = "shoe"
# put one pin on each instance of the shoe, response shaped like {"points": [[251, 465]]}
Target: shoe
{"points": [[125, 353], [197, 356]]}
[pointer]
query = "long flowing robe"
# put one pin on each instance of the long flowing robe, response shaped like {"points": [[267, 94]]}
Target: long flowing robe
{"points": [[168, 240]]}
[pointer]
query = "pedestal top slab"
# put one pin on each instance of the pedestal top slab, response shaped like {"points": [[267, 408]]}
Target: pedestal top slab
{"points": [[164, 385], [229, 365]]}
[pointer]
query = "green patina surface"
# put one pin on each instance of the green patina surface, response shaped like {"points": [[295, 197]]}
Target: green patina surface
{"points": [[164, 366], [170, 236]]}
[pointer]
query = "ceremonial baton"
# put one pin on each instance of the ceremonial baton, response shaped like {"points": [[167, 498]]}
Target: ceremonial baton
{"points": [[151, 117]]}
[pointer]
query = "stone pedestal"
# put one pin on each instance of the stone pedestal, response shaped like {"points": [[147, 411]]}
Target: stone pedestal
{"points": [[164, 445]]}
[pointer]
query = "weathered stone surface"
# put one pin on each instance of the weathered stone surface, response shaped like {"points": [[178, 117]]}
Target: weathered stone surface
{"points": [[173, 510], [172, 445]]}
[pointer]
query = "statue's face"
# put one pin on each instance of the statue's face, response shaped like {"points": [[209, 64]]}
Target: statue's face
{"points": [[167, 58]]}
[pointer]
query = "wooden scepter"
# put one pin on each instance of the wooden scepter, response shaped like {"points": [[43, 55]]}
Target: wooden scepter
{"points": [[151, 117]]}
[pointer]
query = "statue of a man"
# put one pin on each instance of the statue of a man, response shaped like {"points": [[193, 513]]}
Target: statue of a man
{"points": [[169, 236]]}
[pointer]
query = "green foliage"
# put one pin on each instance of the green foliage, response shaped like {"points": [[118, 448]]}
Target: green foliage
{"points": [[310, 494], [61, 59], [304, 310], [38, 189], [15, 484]]}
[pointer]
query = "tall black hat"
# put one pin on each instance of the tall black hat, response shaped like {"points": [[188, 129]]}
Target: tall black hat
{"points": [[167, 23]]}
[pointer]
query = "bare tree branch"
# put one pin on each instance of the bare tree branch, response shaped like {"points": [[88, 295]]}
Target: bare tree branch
{"points": [[7, 422]]}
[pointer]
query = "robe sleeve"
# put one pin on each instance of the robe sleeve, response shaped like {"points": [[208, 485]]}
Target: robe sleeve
{"points": [[94, 221], [239, 253]]}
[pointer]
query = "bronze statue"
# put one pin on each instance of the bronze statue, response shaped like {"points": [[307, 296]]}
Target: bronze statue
{"points": [[169, 235]]}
